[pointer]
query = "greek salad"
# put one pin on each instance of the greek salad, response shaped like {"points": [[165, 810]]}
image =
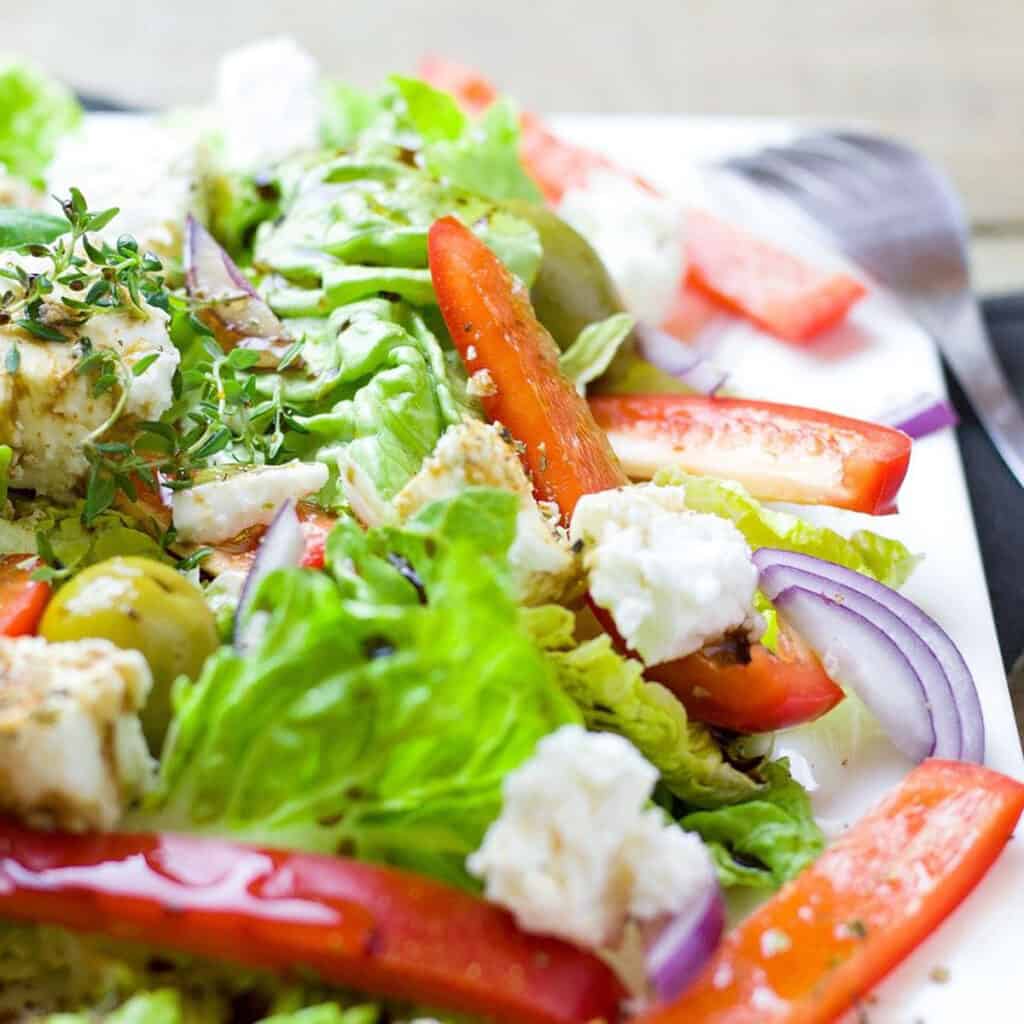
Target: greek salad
{"points": [[399, 617]]}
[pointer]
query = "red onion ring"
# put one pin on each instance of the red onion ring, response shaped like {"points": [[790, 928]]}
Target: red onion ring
{"points": [[925, 415], [281, 547], [951, 698], [678, 360], [684, 944]]}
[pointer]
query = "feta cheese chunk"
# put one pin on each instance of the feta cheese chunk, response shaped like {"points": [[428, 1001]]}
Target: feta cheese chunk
{"points": [[146, 167], [577, 852], [219, 509], [470, 454], [672, 580], [268, 102], [72, 752], [638, 235], [47, 409]]}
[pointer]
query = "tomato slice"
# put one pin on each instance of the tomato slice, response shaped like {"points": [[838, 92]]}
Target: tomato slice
{"points": [[778, 452], [22, 599], [373, 928], [772, 287], [766, 692], [494, 328], [778, 291], [770, 691], [825, 939]]}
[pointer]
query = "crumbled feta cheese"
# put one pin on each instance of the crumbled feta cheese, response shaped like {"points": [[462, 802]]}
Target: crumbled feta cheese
{"points": [[47, 408], [220, 509], [577, 852], [475, 454], [672, 579], [72, 752], [638, 235], [146, 167], [268, 102]]}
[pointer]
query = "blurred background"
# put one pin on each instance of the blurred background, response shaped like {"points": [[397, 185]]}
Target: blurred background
{"points": [[947, 75]]}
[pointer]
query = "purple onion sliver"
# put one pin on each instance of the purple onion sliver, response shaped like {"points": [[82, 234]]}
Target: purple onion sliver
{"points": [[864, 658], [926, 665], [281, 547], [678, 360], [926, 414], [961, 682], [685, 943]]}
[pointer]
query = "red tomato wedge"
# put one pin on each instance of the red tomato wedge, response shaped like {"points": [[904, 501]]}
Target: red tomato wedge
{"points": [[827, 937], [768, 692], [493, 326], [22, 599], [778, 291], [373, 928], [778, 452]]}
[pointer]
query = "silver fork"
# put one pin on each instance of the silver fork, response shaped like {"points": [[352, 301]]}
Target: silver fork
{"points": [[898, 217]]}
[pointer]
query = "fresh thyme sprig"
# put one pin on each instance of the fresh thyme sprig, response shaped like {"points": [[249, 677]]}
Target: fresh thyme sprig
{"points": [[84, 276]]}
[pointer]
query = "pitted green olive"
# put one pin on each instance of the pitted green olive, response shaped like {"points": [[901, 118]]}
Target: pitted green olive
{"points": [[139, 604]]}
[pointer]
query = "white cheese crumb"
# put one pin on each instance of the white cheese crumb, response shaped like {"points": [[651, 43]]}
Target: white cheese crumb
{"points": [[481, 385], [268, 102], [638, 235], [221, 509], [672, 580], [577, 852], [72, 752], [774, 941], [475, 454], [47, 408]]}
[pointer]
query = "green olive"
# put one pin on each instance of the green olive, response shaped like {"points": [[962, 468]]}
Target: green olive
{"points": [[139, 604], [573, 288]]}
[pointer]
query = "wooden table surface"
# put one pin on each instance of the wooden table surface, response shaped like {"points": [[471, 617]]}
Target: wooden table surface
{"points": [[946, 75]]}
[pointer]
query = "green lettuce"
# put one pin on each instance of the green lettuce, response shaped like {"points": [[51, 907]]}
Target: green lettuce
{"points": [[35, 111], [594, 349], [377, 390], [766, 840], [29, 227], [383, 706], [886, 560], [57, 533], [614, 697]]}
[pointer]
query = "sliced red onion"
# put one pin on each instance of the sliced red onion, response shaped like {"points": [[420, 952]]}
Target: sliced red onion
{"points": [[234, 311], [958, 675], [941, 707], [865, 658], [685, 943], [678, 360], [925, 415], [281, 547]]}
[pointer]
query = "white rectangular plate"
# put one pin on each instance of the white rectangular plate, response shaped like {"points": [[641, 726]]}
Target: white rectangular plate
{"points": [[875, 361]]}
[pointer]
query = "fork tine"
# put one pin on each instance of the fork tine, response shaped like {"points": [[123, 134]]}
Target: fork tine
{"points": [[772, 167]]}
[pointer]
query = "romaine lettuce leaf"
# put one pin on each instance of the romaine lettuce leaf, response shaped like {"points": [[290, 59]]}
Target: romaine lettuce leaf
{"points": [[614, 697], [886, 560], [594, 349], [382, 708], [35, 111], [766, 840]]}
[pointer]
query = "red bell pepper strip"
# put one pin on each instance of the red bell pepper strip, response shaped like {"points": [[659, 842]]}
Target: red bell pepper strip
{"points": [[496, 332], [775, 289], [22, 599], [373, 928], [826, 938], [778, 452]]}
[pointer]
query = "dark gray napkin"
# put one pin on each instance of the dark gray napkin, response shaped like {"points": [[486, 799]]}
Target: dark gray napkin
{"points": [[997, 498]]}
